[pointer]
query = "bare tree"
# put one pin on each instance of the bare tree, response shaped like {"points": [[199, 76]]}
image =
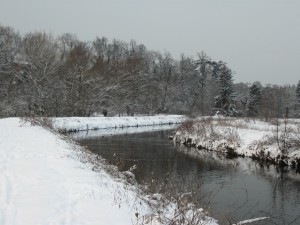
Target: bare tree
{"points": [[10, 42], [39, 51], [63, 76]]}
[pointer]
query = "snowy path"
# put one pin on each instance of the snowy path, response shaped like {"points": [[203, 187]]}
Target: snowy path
{"points": [[41, 182], [44, 182]]}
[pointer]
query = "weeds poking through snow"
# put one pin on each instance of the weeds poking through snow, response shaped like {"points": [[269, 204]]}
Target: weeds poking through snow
{"points": [[45, 122], [277, 142], [209, 134]]}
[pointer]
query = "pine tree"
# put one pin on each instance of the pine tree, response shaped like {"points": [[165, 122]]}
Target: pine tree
{"points": [[225, 100], [255, 97], [297, 103]]}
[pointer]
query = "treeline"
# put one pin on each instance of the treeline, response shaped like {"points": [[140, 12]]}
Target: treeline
{"points": [[62, 76]]}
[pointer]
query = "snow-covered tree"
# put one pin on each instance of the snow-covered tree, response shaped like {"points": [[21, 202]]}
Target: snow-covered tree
{"points": [[40, 52], [202, 77], [63, 76], [164, 73], [10, 42], [298, 92], [242, 96], [224, 102], [255, 96], [297, 100]]}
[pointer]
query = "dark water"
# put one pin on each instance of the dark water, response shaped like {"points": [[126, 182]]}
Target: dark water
{"points": [[231, 190]]}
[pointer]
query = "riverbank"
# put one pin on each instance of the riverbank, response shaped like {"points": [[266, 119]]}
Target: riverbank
{"points": [[276, 142], [47, 179], [71, 124]]}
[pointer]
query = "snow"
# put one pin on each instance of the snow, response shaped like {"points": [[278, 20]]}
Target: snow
{"points": [[119, 131], [245, 136], [43, 183], [43, 180], [252, 220], [94, 123]]}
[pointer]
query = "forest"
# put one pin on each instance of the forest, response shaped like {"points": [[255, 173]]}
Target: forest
{"points": [[43, 75]]}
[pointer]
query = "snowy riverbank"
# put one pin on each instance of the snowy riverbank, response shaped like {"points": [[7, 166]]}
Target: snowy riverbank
{"points": [[69, 124], [47, 179], [119, 131], [275, 142]]}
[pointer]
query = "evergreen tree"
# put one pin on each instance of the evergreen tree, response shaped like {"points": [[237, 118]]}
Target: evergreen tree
{"points": [[297, 103], [255, 97], [225, 99]]}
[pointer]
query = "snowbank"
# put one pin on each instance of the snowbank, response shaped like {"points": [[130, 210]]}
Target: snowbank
{"points": [[44, 180], [275, 143], [119, 131], [69, 124]]}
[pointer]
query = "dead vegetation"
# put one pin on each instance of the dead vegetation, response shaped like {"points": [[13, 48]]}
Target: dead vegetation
{"points": [[222, 134], [210, 134]]}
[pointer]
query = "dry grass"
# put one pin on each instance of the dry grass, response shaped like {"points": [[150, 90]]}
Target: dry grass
{"points": [[45, 122], [187, 125]]}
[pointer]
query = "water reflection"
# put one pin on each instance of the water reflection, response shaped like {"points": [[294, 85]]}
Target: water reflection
{"points": [[233, 190]]}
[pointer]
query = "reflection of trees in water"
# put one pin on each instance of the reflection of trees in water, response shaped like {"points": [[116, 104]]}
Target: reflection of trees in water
{"points": [[285, 194], [284, 188], [180, 175], [202, 175]]}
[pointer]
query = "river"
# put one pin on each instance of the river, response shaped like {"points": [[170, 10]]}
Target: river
{"points": [[230, 189]]}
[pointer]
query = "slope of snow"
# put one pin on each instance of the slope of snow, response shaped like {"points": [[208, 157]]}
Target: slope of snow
{"points": [[93, 123], [43, 181]]}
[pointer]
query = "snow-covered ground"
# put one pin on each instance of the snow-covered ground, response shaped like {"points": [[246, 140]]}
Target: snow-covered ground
{"points": [[119, 131], [93, 123], [252, 138], [44, 179]]}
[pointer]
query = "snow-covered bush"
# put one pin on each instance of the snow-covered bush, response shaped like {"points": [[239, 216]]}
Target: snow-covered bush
{"points": [[209, 134], [38, 121]]}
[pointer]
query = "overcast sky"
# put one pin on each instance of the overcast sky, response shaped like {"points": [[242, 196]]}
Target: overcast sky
{"points": [[259, 39]]}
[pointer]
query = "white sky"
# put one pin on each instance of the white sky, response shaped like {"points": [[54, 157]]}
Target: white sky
{"points": [[259, 39]]}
